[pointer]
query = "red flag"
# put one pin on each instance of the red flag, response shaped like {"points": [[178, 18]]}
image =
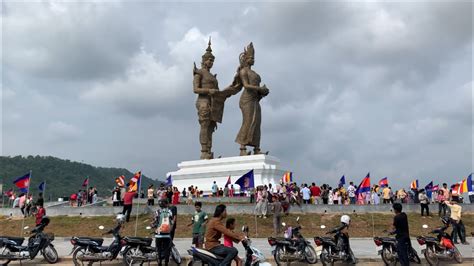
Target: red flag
{"points": [[228, 182], [86, 182], [364, 185]]}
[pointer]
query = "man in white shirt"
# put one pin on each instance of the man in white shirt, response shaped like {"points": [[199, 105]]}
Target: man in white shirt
{"points": [[306, 194], [351, 193]]}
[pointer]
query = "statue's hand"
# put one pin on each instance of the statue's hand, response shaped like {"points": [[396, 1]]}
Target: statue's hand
{"points": [[264, 90], [213, 91]]}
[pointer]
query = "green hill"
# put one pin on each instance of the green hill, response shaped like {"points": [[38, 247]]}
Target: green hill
{"points": [[62, 177]]}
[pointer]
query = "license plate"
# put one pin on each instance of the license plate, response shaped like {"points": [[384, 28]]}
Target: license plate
{"points": [[319, 250], [123, 249], [423, 248], [378, 248]]}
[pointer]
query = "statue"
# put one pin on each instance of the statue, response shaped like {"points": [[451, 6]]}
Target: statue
{"points": [[210, 101], [249, 134]]}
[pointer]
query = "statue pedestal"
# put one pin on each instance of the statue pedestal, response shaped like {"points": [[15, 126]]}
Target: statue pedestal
{"points": [[202, 173]]}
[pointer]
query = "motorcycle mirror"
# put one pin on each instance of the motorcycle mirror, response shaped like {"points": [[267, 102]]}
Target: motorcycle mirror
{"points": [[425, 226], [297, 219], [283, 224], [323, 226], [26, 227], [101, 227], [148, 227]]}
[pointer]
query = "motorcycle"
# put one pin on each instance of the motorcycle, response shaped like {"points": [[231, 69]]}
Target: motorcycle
{"points": [[335, 248], [253, 256], [11, 248], [439, 247], [292, 247], [139, 250], [89, 249], [387, 248]]}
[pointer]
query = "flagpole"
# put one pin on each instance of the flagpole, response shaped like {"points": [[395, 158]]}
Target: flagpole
{"points": [[138, 202], [28, 192]]}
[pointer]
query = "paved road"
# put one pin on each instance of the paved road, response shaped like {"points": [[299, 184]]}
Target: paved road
{"points": [[364, 249]]}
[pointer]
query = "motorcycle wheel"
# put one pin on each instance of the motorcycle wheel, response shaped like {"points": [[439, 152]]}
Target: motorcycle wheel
{"points": [[310, 255], [457, 255], [80, 251], [50, 254], [278, 254], [430, 256], [388, 257], [5, 262], [127, 255], [325, 258], [175, 255], [414, 256]]}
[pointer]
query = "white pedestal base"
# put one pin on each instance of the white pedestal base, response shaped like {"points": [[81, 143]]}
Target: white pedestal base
{"points": [[202, 173]]}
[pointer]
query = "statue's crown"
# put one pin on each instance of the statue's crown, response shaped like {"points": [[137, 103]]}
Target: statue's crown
{"points": [[208, 53], [249, 51]]}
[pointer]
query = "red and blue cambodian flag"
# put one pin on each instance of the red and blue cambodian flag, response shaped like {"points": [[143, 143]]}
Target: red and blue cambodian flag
{"points": [[364, 185], [23, 183], [383, 182]]}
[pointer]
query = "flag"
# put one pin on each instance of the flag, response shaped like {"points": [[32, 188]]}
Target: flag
{"points": [[120, 181], [86, 182], [9, 192], [246, 181], [342, 181], [287, 177], [169, 181], [435, 188], [41, 186], [228, 182], [414, 184], [466, 185], [134, 183], [23, 182], [383, 182], [364, 185]]}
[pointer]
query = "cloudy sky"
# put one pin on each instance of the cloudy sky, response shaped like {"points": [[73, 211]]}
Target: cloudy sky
{"points": [[354, 87]]}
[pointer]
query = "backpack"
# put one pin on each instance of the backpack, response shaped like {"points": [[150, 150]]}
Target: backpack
{"points": [[165, 221]]}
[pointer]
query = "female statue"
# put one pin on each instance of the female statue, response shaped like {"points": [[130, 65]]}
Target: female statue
{"points": [[249, 134]]}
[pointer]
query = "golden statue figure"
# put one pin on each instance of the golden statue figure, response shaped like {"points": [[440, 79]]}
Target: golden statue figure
{"points": [[210, 101], [249, 134]]}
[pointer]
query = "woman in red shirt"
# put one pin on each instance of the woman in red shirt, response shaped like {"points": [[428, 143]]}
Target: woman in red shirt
{"points": [[40, 213], [175, 200]]}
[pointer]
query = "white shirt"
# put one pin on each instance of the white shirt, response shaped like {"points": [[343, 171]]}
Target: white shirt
{"points": [[306, 193], [351, 191]]}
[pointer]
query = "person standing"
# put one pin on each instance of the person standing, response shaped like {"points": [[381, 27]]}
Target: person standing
{"points": [[351, 193], [277, 210], [402, 234], [150, 195], [214, 189], [423, 202], [458, 226], [163, 222], [325, 194], [40, 213], [306, 194], [198, 222], [315, 193], [128, 203], [115, 197], [386, 195]]}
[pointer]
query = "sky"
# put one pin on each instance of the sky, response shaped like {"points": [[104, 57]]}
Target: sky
{"points": [[355, 87]]}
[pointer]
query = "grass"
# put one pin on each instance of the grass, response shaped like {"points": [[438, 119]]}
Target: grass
{"points": [[362, 225]]}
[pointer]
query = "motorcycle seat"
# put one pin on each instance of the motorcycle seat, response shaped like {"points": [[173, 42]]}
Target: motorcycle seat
{"points": [[431, 239], [17, 240], [90, 240], [208, 253], [139, 240]]}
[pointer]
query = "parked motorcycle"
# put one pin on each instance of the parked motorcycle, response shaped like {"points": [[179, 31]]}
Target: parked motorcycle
{"points": [[292, 247], [139, 250], [387, 248], [11, 248], [439, 247], [253, 256], [335, 248], [89, 249]]}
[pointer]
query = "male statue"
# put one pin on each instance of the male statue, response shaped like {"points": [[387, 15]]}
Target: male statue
{"points": [[210, 101]]}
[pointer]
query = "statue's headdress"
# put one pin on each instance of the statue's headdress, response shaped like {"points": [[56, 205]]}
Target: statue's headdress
{"points": [[208, 54], [248, 52]]}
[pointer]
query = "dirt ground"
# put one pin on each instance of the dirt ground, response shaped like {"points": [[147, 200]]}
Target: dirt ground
{"points": [[362, 225]]}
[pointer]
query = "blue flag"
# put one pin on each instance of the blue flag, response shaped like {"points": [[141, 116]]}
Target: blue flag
{"points": [[342, 181], [429, 189], [41, 186], [246, 181], [169, 182]]}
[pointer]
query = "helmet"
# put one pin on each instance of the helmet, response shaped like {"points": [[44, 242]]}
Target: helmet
{"points": [[163, 203], [346, 219], [120, 218], [445, 220]]}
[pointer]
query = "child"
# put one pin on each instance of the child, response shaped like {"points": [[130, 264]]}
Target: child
{"points": [[230, 224], [198, 221]]}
